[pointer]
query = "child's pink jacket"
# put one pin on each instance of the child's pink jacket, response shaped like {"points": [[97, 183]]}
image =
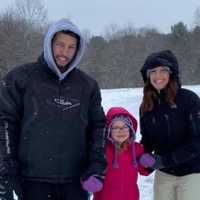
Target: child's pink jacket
{"points": [[121, 183]]}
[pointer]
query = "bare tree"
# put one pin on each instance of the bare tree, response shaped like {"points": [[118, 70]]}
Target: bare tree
{"points": [[114, 31], [33, 11], [20, 35], [197, 17]]}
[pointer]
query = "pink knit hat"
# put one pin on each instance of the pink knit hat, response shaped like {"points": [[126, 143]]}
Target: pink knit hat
{"points": [[119, 113], [126, 120]]}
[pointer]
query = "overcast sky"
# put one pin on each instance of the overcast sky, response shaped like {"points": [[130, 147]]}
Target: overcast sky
{"points": [[96, 15]]}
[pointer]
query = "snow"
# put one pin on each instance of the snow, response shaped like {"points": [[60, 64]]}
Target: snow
{"points": [[130, 98]]}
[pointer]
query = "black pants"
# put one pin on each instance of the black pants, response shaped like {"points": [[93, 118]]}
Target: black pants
{"points": [[33, 190]]}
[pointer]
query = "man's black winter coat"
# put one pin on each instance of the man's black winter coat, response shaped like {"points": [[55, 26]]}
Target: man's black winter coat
{"points": [[46, 123]]}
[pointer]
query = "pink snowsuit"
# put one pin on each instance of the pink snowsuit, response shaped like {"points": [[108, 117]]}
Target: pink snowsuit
{"points": [[121, 183]]}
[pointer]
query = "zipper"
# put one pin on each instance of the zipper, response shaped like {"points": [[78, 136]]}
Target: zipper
{"points": [[8, 151], [123, 182], [168, 127], [60, 97], [191, 118]]}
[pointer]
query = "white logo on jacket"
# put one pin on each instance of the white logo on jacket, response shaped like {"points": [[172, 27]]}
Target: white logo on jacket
{"points": [[64, 103]]}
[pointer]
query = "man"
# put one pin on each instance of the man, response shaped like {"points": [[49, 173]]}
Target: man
{"points": [[51, 123]]}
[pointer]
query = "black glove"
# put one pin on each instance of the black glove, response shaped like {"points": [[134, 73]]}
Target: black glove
{"points": [[151, 161], [158, 162], [8, 167], [10, 188]]}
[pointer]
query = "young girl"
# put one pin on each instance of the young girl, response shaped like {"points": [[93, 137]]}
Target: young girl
{"points": [[122, 154]]}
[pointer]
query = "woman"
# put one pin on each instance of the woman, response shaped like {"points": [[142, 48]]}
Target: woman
{"points": [[170, 129]]}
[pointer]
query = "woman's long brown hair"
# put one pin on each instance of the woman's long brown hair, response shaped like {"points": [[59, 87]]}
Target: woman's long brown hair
{"points": [[150, 95]]}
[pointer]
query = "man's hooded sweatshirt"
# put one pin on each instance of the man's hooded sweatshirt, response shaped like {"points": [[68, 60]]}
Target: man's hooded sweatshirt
{"points": [[51, 123]]}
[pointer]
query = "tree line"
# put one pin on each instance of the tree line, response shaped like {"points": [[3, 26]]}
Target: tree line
{"points": [[114, 59]]}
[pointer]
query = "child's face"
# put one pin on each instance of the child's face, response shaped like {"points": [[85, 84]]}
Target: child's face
{"points": [[119, 132]]}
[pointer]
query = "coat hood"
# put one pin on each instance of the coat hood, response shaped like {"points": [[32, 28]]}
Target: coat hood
{"points": [[116, 112], [62, 25], [119, 112], [161, 58]]}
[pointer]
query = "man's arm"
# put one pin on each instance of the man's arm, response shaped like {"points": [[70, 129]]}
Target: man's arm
{"points": [[96, 136], [10, 111]]}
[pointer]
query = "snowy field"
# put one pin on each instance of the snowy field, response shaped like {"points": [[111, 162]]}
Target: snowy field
{"points": [[131, 99]]}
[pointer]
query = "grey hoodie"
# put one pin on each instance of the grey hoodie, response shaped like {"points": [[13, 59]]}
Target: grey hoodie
{"points": [[62, 25]]}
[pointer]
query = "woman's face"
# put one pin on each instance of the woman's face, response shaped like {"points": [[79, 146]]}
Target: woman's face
{"points": [[159, 77], [119, 132]]}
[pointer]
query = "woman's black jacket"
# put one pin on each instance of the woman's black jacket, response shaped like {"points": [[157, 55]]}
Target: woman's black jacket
{"points": [[173, 132]]}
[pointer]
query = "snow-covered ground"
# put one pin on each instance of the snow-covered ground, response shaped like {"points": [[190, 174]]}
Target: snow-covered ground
{"points": [[131, 99]]}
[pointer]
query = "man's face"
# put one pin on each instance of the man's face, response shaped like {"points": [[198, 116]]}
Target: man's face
{"points": [[64, 49]]}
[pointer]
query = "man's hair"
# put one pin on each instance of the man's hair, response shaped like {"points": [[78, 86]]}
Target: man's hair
{"points": [[70, 33]]}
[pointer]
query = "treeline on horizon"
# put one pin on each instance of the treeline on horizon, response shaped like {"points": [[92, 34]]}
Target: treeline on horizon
{"points": [[113, 59]]}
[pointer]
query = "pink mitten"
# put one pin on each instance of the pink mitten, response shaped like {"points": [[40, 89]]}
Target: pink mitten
{"points": [[92, 184], [147, 160]]}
